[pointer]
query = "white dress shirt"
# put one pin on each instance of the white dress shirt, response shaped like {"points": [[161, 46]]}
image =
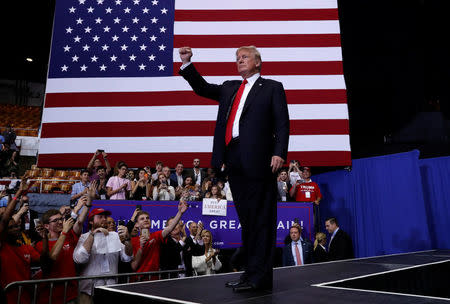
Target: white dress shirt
{"points": [[251, 81], [99, 263], [300, 248]]}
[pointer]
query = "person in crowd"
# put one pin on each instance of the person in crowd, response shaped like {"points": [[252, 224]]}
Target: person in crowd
{"points": [[308, 191], [166, 172], [118, 186], [172, 249], [206, 186], [95, 163], [158, 167], [9, 136], [63, 234], [211, 173], [197, 174], [190, 189], [215, 193], [177, 178], [98, 252], [284, 186], [12, 164], [27, 221], [15, 257], [146, 246], [132, 222], [320, 251], [295, 172], [141, 188], [340, 246], [299, 251], [209, 262], [162, 191], [221, 184], [81, 188], [193, 246], [102, 181], [5, 155], [111, 223]]}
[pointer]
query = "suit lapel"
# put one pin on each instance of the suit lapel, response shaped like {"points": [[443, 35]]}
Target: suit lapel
{"points": [[230, 101], [256, 88]]}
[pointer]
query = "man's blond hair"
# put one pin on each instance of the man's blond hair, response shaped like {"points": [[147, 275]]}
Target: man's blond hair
{"points": [[252, 49]]}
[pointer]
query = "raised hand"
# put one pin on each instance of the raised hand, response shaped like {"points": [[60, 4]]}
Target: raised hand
{"points": [[40, 229], [68, 224], [182, 206], [92, 190], [185, 54], [123, 233]]}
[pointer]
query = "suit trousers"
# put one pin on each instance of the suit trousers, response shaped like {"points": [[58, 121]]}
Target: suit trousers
{"points": [[255, 200]]}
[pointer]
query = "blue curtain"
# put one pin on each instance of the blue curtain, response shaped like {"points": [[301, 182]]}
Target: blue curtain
{"points": [[436, 188], [380, 203]]}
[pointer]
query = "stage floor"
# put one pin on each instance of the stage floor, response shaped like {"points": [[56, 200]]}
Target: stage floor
{"points": [[304, 284]]}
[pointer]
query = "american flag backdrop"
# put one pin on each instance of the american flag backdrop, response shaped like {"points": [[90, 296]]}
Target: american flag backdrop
{"points": [[113, 80]]}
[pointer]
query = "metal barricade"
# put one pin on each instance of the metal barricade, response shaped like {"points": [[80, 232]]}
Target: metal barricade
{"points": [[139, 276]]}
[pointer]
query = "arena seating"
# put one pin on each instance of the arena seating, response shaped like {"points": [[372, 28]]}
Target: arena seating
{"points": [[25, 120]]}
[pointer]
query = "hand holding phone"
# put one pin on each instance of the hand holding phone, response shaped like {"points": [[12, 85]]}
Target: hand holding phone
{"points": [[145, 232]]}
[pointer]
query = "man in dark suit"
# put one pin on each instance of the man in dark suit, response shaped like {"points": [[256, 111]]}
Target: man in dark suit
{"points": [[251, 139], [198, 175], [299, 251], [193, 246], [340, 246], [177, 178]]}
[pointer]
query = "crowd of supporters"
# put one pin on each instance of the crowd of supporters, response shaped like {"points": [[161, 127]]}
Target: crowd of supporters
{"points": [[55, 242]]}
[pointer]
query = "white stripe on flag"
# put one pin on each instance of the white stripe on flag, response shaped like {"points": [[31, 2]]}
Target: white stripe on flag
{"points": [[177, 144], [178, 113], [251, 4], [256, 27], [267, 54], [177, 83]]}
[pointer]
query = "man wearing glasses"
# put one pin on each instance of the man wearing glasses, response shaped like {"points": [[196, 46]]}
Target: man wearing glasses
{"points": [[64, 233]]}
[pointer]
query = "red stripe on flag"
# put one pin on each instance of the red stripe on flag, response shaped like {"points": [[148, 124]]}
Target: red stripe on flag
{"points": [[135, 160], [261, 41], [257, 15], [136, 99], [175, 128], [270, 68]]}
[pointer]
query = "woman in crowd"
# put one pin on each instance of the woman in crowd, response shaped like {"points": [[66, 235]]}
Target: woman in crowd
{"points": [[206, 186], [162, 191], [118, 186], [208, 263], [320, 251], [215, 193], [141, 188]]}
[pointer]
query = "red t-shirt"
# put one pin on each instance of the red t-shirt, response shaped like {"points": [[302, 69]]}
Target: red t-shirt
{"points": [[150, 253], [64, 266], [307, 192], [15, 266]]}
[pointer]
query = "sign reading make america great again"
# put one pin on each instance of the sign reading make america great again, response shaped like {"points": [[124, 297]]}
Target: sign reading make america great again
{"points": [[226, 231]]}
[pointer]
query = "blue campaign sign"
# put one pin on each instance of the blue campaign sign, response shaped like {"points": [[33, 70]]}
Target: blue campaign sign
{"points": [[226, 230]]}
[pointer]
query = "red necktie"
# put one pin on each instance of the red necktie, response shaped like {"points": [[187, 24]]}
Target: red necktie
{"points": [[230, 122], [297, 254]]}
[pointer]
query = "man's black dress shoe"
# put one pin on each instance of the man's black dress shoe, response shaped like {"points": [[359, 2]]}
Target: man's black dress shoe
{"points": [[233, 283], [247, 286]]}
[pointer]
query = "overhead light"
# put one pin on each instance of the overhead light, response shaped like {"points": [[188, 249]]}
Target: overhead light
{"points": [[29, 59]]}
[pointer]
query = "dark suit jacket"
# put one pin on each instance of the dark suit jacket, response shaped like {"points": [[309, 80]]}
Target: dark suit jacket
{"points": [[307, 247], [263, 130], [191, 249], [170, 256], [341, 247], [174, 179], [190, 172], [320, 255]]}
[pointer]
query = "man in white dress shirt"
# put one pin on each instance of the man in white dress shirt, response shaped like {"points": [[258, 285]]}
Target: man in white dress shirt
{"points": [[98, 252]]}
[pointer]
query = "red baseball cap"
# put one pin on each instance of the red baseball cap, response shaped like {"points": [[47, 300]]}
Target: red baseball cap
{"points": [[306, 168], [97, 211]]}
